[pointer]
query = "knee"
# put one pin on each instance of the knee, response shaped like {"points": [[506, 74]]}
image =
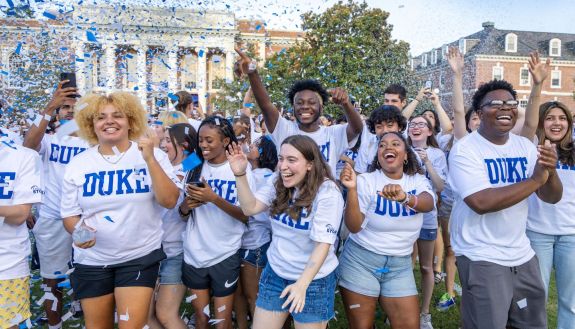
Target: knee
{"points": [[426, 269], [165, 315]]}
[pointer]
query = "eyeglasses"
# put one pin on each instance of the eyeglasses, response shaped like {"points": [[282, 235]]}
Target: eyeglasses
{"points": [[498, 104], [417, 124]]}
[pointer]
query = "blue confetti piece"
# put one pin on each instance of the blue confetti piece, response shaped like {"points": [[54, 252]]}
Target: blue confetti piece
{"points": [[108, 219], [10, 3], [18, 48], [191, 162], [91, 37], [4, 73], [63, 49], [129, 56], [382, 270], [136, 88], [49, 15], [64, 284], [173, 97], [250, 105], [258, 27], [159, 123], [201, 53], [80, 60]]}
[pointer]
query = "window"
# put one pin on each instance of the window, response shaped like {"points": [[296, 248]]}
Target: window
{"points": [[434, 56], [126, 66], [462, 49], [216, 70], [188, 69], [555, 47], [497, 73], [523, 103], [556, 79], [524, 78], [424, 60], [17, 74], [511, 43], [444, 51]]}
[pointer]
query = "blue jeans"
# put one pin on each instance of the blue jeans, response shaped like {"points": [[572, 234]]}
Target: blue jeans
{"points": [[557, 251]]}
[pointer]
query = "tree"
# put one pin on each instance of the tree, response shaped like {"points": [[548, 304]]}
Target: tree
{"points": [[347, 46]]}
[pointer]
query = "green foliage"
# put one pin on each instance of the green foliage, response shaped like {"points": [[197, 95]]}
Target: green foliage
{"points": [[347, 46]]}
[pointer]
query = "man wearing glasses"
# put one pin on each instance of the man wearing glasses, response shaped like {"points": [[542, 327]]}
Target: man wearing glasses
{"points": [[492, 173]]}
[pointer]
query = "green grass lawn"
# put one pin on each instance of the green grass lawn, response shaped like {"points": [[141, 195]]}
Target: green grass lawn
{"points": [[440, 320]]}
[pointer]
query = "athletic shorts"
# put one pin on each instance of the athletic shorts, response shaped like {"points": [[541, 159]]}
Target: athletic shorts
{"points": [[54, 246], [496, 296], [94, 281], [14, 301], [222, 278]]}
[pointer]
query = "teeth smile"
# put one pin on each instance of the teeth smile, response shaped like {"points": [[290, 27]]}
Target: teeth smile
{"points": [[389, 155], [504, 117], [286, 175]]}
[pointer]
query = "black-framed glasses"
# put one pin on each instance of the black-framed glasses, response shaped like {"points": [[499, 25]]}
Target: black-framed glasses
{"points": [[417, 124], [498, 104]]}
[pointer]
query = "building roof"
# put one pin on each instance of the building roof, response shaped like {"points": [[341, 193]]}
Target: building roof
{"points": [[491, 41]]}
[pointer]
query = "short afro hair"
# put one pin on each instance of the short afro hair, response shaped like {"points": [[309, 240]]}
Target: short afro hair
{"points": [[386, 113], [312, 85], [488, 87]]}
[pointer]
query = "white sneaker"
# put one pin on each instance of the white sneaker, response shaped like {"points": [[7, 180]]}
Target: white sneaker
{"points": [[425, 321]]}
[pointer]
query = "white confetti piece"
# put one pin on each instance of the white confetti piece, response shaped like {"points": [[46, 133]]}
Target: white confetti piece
{"points": [[125, 317], [116, 151], [189, 299], [80, 107], [68, 128], [221, 308], [215, 321], [522, 303], [351, 307], [207, 310]]}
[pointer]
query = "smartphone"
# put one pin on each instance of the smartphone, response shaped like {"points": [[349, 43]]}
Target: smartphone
{"points": [[428, 84], [71, 77], [198, 184]]}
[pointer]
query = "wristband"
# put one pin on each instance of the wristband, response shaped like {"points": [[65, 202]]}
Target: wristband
{"points": [[47, 117], [240, 175], [406, 200], [182, 213]]}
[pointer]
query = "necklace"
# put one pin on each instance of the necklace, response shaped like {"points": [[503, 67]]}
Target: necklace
{"points": [[112, 159]]}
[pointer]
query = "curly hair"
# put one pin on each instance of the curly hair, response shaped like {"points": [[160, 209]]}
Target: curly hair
{"points": [[565, 149], [384, 114], [89, 106], [312, 85], [431, 140], [308, 188], [169, 118], [485, 88], [412, 166]]}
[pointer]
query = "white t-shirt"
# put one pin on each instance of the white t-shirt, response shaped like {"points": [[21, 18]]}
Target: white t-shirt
{"points": [[56, 153], [439, 163], [258, 231], [293, 241], [118, 201], [20, 183], [559, 218], [475, 164], [332, 140], [389, 228], [172, 224], [195, 123], [11, 136], [341, 164], [213, 235], [367, 150]]}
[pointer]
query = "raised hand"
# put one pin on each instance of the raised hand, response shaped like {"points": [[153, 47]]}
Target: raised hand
{"points": [[455, 60], [146, 145], [539, 71], [60, 95], [237, 159], [393, 192], [245, 65], [339, 96], [348, 177]]}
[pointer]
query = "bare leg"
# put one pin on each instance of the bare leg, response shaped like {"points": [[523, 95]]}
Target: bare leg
{"points": [[450, 267], [241, 308], [168, 303], [133, 304], [425, 249], [264, 319], [99, 312], [403, 312], [359, 309], [438, 254], [199, 303]]}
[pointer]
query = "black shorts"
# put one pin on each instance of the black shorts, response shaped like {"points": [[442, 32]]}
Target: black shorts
{"points": [[221, 278], [94, 281]]}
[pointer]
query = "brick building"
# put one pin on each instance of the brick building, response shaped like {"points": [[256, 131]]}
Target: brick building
{"points": [[147, 51], [502, 54]]}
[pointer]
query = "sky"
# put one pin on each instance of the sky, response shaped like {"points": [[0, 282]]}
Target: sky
{"points": [[425, 24]]}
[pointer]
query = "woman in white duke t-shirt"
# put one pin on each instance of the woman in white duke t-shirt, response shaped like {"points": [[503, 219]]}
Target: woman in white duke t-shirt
{"points": [[384, 213], [305, 208], [113, 195], [214, 232]]}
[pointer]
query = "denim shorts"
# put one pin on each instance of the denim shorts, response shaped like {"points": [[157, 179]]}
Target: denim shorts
{"points": [[370, 274], [428, 234], [256, 257], [171, 270], [319, 297]]}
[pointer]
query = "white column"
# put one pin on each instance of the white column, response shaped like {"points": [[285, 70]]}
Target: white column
{"points": [[230, 65], [142, 74], [110, 65], [202, 81], [262, 52], [80, 67], [173, 84]]}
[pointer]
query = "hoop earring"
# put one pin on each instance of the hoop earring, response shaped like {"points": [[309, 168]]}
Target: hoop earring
{"points": [[405, 162]]}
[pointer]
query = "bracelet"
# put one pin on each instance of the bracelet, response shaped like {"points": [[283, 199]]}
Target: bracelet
{"points": [[240, 174], [182, 213], [406, 200], [47, 117], [415, 203]]}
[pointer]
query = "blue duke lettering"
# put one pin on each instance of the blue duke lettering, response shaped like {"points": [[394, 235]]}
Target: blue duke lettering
{"points": [[114, 182], [564, 166], [325, 151], [224, 189], [506, 170], [392, 208], [63, 154], [301, 224], [5, 178]]}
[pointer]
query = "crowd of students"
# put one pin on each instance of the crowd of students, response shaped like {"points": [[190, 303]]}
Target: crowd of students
{"points": [[264, 216]]}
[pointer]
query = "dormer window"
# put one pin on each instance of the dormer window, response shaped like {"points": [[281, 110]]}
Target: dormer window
{"points": [[462, 49], [511, 43], [555, 47]]}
